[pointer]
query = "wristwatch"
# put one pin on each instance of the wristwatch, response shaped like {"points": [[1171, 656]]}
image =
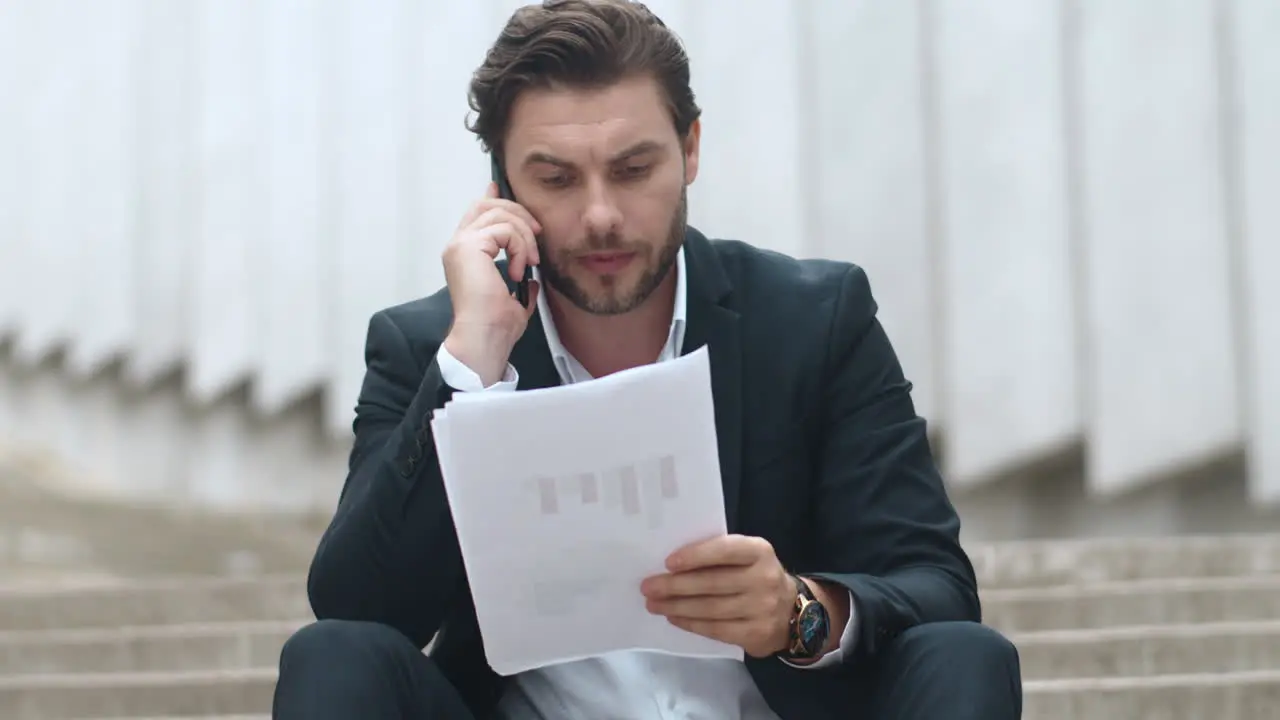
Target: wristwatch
{"points": [[809, 627]]}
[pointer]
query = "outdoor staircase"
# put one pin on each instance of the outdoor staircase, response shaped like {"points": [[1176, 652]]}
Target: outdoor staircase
{"points": [[1171, 628], [97, 622]]}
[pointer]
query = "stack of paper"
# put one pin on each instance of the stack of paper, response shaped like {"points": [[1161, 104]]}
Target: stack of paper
{"points": [[565, 499]]}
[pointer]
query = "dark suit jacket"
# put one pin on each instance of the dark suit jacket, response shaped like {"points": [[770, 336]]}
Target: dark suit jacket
{"points": [[821, 453]]}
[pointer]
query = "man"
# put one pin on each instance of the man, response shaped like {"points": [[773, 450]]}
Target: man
{"points": [[842, 577]]}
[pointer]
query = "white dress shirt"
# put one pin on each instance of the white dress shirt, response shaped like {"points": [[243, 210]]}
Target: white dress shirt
{"points": [[632, 684]]}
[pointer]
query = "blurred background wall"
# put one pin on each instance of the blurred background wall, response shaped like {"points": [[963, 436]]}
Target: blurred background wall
{"points": [[1068, 210]]}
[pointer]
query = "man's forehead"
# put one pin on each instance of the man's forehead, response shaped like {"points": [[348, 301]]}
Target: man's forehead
{"points": [[577, 120]]}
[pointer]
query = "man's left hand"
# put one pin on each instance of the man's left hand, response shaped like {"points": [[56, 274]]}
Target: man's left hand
{"points": [[730, 588]]}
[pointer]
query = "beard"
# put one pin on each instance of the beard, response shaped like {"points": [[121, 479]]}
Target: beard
{"points": [[554, 269]]}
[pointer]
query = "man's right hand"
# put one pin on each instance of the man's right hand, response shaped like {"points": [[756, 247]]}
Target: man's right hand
{"points": [[487, 318]]}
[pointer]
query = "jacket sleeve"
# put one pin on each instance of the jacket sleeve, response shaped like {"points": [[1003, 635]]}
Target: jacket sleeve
{"points": [[883, 518], [390, 555]]}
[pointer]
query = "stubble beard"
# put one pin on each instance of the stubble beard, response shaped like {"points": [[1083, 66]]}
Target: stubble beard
{"points": [[555, 275]]}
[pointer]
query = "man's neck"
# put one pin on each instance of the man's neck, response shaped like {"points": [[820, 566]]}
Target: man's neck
{"points": [[606, 344]]}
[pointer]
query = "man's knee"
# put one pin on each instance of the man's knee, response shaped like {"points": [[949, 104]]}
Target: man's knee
{"points": [[967, 639], [328, 642], [969, 647], [961, 641], [341, 669], [953, 670]]}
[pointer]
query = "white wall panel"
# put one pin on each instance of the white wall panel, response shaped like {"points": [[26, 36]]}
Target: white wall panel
{"points": [[41, 409], [455, 170], [98, 435], [106, 200], [1010, 360], [235, 186], [866, 126], [230, 467], [499, 11], [15, 92], [415, 83], [294, 354], [1162, 375], [231, 237], [152, 440], [749, 91], [54, 126], [677, 16], [1257, 69], [169, 179], [370, 58]]}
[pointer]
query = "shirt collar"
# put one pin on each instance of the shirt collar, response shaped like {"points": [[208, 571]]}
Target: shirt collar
{"points": [[675, 335]]}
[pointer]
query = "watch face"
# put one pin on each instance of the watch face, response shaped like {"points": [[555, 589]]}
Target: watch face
{"points": [[812, 626]]}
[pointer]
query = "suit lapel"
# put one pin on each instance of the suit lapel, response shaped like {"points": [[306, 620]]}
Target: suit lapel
{"points": [[713, 324]]}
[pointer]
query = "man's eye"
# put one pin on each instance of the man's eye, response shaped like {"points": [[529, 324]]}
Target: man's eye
{"points": [[635, 171], [555, 181]]}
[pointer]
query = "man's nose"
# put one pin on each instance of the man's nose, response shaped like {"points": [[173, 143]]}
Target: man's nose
{"points": [[602, 215]]}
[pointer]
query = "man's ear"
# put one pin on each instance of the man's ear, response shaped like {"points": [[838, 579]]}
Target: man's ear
{"points": [[692, 146]]}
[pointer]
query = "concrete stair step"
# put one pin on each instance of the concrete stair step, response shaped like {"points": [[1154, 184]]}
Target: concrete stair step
{"points": [[134, 695], [210, 646], [1044, 563], [1141, 602], [46, 526], [1124, 651], [43, 525], [153, 602], [1221, 696], [1150, 650], [1251, 695], [202, 600]]}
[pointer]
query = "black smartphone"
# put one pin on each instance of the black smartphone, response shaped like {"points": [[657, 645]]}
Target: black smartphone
{"points": [[504, 192]]}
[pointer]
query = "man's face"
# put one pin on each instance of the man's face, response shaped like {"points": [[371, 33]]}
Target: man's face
{"points": [[605, 174]]}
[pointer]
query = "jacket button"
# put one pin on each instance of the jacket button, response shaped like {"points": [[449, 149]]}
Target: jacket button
{"points": [[407, 469]]}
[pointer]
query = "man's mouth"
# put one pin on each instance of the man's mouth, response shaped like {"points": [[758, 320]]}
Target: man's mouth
{"points": [[607, 263]]}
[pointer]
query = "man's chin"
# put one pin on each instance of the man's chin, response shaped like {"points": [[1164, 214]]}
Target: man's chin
{"points": [[614, 300], [606, 289], [610, 304], [603, 294]]}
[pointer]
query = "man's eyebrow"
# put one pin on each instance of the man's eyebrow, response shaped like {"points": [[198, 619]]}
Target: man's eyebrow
{"points": [[640, 148], [546, 159]]}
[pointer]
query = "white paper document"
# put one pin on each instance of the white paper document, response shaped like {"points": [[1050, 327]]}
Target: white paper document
{"points": [[566, 498]]}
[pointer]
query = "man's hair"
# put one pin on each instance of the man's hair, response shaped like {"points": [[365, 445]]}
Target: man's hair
{"points": [[579, 44]]}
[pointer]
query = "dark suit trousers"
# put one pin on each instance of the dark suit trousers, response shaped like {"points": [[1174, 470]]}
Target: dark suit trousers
{"points": [[337, 670]]}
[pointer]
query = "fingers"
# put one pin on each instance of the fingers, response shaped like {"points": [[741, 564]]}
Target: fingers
{"points": [[758, 639], [475, 218], [705, 607], [511, 237], [501, 229], [486, 202], [520, 212], [501, 224], [723, 550], [710, 581]]}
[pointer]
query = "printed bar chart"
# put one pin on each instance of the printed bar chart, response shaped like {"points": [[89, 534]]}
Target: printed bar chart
{"points": [[632, 490]]}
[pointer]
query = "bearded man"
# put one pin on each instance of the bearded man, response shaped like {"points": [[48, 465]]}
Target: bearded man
{"points": [[842, 577]]}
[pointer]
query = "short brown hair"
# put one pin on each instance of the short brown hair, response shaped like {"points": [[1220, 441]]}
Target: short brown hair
{"points": [[581, 44]]}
